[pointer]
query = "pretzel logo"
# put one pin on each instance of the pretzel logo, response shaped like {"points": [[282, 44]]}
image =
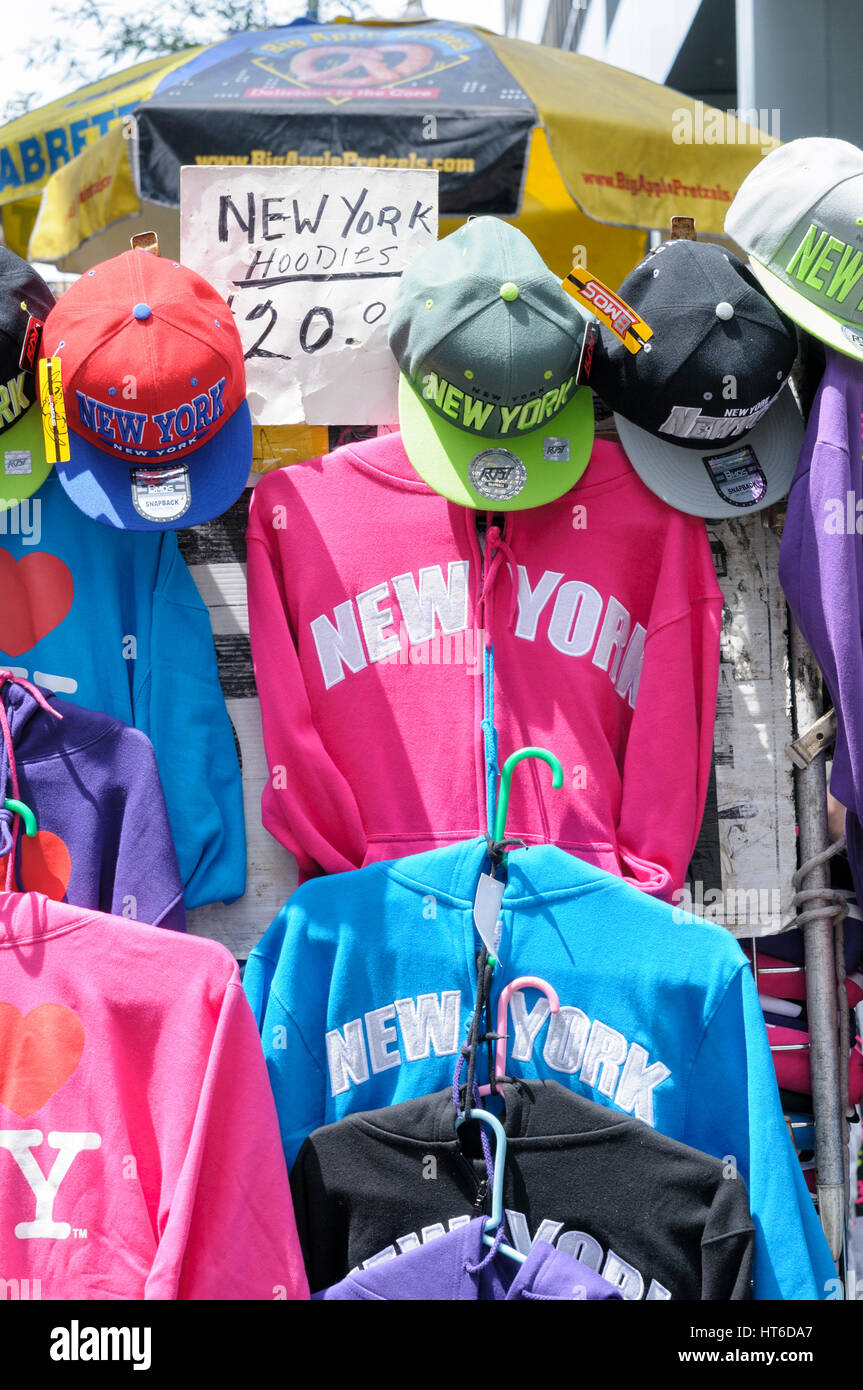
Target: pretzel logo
{"points": [[337, 65]]}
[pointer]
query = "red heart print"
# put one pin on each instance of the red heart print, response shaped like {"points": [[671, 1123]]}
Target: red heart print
{"points": [[36, 593], [46, 865], [39, 1051]]}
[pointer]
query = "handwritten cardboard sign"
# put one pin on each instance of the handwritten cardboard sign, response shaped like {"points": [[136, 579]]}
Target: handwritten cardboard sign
{"points": [[309, 260]]}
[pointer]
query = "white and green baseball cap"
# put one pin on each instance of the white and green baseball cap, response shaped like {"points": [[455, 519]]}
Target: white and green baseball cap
{"points": [[799, 217], [489, 344]]}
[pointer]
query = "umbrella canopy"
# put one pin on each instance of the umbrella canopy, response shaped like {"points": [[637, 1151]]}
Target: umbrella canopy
{"points": [[559, 142]]}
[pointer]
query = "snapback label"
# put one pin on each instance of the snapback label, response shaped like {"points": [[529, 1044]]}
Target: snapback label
{"points": [[17, 463], [161, 494], [738, 477], [853, 335], [555, 449], [497, 474]]}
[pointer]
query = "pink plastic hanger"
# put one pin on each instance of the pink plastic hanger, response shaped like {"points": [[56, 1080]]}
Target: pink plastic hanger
{"points": [[523, 982]]}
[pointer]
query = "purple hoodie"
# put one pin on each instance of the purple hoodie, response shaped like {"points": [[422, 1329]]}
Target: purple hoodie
{"points": [[103, 836], [445, 1269], [821, 571]]}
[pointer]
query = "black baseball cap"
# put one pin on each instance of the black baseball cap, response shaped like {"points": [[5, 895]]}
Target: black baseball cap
{"points": [[703, 410], [25, 303]]}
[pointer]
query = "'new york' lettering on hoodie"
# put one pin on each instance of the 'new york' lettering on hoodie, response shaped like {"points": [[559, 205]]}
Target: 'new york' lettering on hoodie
{"points": [[370, 599], [364, 984]]}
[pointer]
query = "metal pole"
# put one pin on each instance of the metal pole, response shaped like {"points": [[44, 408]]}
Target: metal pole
{"points": [[821, 984]]}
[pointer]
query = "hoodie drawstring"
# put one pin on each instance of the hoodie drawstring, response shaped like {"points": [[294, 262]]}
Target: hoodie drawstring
{"points": [[10, 823], [499, 550]]}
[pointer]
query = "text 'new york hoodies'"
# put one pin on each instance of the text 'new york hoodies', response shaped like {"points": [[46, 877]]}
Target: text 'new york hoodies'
{"points": [[364, 984], [112, 620], [370, 599], [103, 839], [139, 1146]]}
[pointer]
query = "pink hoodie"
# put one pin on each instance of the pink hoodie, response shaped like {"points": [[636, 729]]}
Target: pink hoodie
{"points": [[369, 601], [140, 1155]]}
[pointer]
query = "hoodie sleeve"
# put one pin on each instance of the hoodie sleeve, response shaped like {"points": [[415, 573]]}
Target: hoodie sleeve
{"points": [[727, 1243], [669, 751], [307, 803], [180, 706], [734, 1112], [147, 885], [230, 1231]]}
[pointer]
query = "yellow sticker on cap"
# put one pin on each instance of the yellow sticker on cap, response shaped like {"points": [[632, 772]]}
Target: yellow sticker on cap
{"points": [[608, 307], [54, 426]]}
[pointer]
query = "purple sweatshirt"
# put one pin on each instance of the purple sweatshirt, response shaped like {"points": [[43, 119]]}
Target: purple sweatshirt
{"points": [[821, 571], [103, 837], [444, 1269]]}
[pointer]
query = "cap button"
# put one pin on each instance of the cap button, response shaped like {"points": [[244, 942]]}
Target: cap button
{"points": [[724, 310], [508, 290], [142, 311]]}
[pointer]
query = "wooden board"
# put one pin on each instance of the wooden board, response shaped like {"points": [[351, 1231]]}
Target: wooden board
{"points": [[742, 866]]}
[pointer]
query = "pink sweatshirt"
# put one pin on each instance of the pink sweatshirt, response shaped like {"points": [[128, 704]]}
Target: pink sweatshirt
{"points": [[139, 1147], [369, 601]]}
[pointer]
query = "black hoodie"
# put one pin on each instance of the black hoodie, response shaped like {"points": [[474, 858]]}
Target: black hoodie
{"points": [[656, 1218]]}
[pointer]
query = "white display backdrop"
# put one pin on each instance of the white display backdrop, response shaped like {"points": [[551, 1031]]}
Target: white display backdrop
{"points": [[309, 260]]}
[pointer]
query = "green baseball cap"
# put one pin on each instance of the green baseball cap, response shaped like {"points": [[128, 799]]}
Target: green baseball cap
{"points": [[799, 217], [488, 344]]}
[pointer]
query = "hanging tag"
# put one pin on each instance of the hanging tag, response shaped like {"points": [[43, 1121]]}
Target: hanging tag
{"points": [[53, 411], [588, 347], [608, 307], [30, 346], [486, 912]]}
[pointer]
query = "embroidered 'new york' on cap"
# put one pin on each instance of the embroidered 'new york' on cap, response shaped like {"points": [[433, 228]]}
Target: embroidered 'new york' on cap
{"points": [[25, 303], [799, 217], [160, 433], [488, 344], [703, 411]]}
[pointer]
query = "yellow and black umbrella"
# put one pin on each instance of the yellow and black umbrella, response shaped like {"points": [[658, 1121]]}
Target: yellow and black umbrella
{"points": [[583, 156]]}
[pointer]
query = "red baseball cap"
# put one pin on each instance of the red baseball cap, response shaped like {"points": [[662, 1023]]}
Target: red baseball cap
{"points": [[160, 434]]}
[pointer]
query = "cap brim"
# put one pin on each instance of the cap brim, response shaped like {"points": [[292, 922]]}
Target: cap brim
{"points": [[21, 476], [101, 485], [682, 477], [830, 329], [442, 454]]}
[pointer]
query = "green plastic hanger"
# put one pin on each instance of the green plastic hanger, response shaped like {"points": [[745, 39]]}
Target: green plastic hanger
{"points": [[502, 806], [19, 809]]}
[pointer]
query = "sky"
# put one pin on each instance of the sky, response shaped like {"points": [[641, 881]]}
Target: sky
{"points": [[26, 24]]}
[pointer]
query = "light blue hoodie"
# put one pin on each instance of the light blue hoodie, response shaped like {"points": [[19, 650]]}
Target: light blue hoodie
{"points": [[364, 984], [112, 620]]}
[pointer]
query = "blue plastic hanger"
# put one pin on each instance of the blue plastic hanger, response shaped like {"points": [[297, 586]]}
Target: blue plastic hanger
{"points": [[486, 1117]]}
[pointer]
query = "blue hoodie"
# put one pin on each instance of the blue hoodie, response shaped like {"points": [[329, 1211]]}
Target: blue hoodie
{"points": [[112, 620], [364, 984]]}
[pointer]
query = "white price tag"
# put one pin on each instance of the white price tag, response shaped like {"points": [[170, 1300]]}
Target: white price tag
{"points": [[486, 911]]}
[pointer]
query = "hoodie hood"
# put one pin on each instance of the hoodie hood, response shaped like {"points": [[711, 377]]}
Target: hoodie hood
{"points": [[20, 703]]}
